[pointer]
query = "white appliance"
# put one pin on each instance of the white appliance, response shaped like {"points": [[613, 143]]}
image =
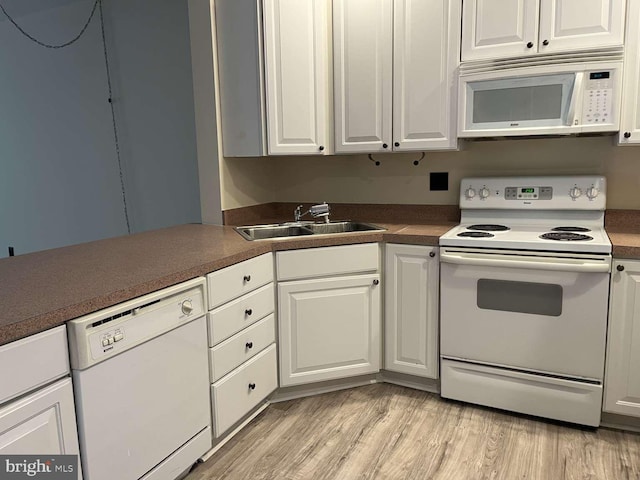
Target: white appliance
{"points": [[524, 296], [524, 99], [141, 381]]}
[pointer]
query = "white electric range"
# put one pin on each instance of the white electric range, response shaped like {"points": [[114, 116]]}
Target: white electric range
{"points": [[524, 296]]}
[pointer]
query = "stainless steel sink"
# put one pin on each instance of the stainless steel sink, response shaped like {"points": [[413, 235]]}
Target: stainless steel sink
{"points": [[263, 232], [342, 227], [288, 230]]}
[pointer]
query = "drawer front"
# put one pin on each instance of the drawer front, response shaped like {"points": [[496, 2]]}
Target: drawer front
{"points": [[242, 312], [244, 345], [233, 397], [318, 262], [33, 361], [236, 280]]}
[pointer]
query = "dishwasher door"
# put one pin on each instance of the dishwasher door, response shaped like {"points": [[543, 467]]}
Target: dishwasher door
{"points": [[137, 408]]}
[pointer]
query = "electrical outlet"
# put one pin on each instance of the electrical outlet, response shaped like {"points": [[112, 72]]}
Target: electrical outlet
{"points": [[438, 181]]}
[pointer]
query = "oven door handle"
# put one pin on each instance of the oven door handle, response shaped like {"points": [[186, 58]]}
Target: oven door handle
{"points": [[583, 265]]}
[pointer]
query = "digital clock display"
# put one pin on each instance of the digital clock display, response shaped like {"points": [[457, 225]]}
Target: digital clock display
{"points": [[527, 190]]}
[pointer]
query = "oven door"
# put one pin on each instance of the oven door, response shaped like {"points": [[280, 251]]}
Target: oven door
{"points": [[525, 310]]}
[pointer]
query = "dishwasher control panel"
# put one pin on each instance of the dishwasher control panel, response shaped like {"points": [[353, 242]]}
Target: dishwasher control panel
{"points": [[100, 335]]}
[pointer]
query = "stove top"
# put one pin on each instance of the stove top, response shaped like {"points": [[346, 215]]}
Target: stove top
{"points": [[555, 214]]}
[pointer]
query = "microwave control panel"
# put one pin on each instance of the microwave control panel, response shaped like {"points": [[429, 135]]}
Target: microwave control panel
{"points": [[598, 98]]}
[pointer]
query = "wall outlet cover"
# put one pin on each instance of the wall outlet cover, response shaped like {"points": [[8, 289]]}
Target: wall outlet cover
{"points": [[439, 181]]}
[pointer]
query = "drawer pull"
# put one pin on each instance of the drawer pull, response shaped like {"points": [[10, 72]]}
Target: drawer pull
{"points": [[252, 386], [249, 345], [376, 282], [248, 312], [247, 278]]}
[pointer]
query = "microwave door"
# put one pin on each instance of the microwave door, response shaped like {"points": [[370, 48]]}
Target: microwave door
{"points": [[538, 104]]}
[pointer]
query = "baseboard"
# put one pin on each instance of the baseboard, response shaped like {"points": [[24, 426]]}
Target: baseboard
{"points": [[220, 442], [620, 422], [417, 383], [300, 391]]}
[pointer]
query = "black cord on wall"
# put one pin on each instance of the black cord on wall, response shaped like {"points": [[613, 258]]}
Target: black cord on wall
{"points": [[96, 6]]}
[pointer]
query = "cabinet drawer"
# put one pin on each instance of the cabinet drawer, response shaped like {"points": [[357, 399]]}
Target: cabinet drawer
{"points": [[241, 347], [233, 396], [318, 262], [236, 280], [242, 312], [33, 361]]}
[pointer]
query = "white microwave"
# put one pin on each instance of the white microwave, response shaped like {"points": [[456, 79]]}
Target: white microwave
{"points": [[540, 100]]}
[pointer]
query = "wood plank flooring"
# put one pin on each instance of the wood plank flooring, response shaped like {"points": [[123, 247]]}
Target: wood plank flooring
{"points": [[389, 432]]}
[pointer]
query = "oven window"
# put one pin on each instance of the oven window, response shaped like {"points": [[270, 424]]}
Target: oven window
{"points": [[520, 297]]}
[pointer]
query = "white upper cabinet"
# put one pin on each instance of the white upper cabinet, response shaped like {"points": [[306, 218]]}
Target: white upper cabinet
{"points": [[297, 75], [499, 28], [362, 56], [567, 25], [426, 44], [273, 68], [513, 28], [630, 118], [394, 71]]}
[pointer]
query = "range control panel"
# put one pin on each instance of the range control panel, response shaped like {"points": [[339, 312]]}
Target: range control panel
{"points": [[529, 193], [543, 193]]}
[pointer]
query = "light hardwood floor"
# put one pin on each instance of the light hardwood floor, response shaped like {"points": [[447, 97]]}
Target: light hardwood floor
{"points": [[385, 432]]}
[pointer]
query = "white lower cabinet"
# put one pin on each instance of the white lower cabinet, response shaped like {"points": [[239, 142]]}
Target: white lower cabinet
{"points": [[622, 382], [243, 363], [329, 327], [43, 422], [243, 389], [411, 310]]}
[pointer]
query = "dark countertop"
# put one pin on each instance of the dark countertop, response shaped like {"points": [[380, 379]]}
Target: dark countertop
{"points": [[45, 289]]}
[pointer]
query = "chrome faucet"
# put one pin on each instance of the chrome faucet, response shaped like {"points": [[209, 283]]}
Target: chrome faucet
{"points": [[316, 211]]}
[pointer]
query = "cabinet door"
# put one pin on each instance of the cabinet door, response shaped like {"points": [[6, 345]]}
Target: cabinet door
{"points": [[499, 28], [297, 75], [411, 310], [622, 382], [426, 43], [567, 25], [630, 116], [41, 423], [329, 328], [362, 49]]}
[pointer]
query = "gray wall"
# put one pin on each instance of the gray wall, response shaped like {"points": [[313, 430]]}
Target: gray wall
{"points": [[59, 182]]}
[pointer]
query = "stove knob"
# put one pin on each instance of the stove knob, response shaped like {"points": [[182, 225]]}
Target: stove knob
{"points": [[187, 307], [484, 192], [592, 193], [575, 192], [470, 193]]}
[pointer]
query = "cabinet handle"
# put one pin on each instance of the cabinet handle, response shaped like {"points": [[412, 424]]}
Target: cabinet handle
{"points": [[376, 281], [384, 145], [432, 254], [397, 144], [545, 42], [627, 134], [247, 278], [252, 386], [530, 45], [321, 148], [620, 268], [248, 312], [249, 345]]}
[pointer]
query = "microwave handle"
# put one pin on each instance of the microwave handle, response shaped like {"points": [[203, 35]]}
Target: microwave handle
{"points": [[577, 88]]}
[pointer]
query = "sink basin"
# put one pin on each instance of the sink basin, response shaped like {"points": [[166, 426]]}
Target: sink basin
{"points": [[342, 227], [285, 230], [263, 232]]}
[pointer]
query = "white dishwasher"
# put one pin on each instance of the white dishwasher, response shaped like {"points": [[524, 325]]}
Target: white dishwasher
{"points": [[141, 382]]}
